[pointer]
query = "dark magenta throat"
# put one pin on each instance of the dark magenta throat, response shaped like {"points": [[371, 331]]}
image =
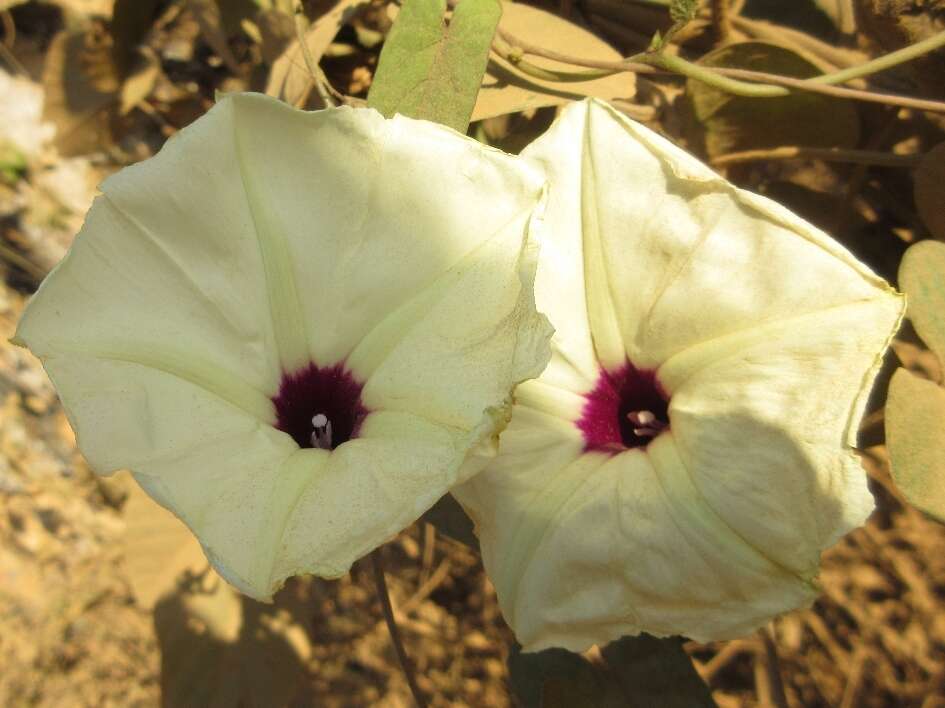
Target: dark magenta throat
{"points": [[627, 408], [320, 407]]}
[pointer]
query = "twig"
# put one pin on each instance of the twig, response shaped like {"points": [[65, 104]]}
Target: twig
{"points": [[726, 655], [772, 669], [429, 547], [314, 70], [855, 679], [384, 597], [428, 586], [721, 20], [10, 256], [9, 29], [798, 152], [887, 61], [6, 46], [513, 55], [858, 175]]}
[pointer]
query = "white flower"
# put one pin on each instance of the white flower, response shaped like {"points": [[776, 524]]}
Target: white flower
{"points": [[298, 330], [686, 455]]}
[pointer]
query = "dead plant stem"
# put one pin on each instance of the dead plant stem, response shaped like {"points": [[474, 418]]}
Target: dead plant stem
{"points": [[721, 20], [798, 152], [395, 638]]}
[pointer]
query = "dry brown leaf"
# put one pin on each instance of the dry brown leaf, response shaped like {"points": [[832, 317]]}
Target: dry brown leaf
{"points": [[209, 17], [289, 78], [276, 32], [138, 85], [73, 102], [930, 191], [158, 548], [505, 90]]}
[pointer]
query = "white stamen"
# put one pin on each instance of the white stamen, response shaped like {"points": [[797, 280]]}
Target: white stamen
{"points": [[641, 418], [321, 436], [647, 425]]}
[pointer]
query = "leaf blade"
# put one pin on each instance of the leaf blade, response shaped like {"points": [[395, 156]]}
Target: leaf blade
{"points": [[433, 71], [922, 277], [915, 435]]}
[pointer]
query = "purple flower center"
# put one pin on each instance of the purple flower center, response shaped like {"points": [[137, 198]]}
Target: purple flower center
{"points": [[626, 409], [320, 407]]}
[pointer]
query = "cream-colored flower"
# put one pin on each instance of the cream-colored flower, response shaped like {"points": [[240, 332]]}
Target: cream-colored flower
{"points": [[686, 455], [298, 330]]}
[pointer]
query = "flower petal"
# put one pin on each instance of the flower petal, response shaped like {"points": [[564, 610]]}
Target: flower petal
{"points": [[371, 488], [372, 211], [228, 477], [586, 548], [260, 240], [151, 276], [659, 230], [474, 334], [766, 421]]}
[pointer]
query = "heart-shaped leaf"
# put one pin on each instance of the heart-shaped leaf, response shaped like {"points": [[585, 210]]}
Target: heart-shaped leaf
{"points": [[915, 436], [430, 69], [922, 278]]}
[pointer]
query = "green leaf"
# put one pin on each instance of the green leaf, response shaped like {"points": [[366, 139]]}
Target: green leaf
{"points": [[922, 278], [432, 70], [915, 436], [682, 11], [634, 671], [722, 122]]}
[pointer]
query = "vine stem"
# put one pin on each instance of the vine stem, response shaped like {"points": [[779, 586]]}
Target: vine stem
{"points": [[381, 584], [725, 78]]}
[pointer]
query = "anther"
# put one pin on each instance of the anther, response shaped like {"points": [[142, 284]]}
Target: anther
{"points": [[646, 424], [321, 435]]}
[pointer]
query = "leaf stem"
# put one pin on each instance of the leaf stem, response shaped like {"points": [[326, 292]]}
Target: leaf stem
{"points": [[381, 584], [713, 78], [887, 61], [514, 56], [726, 79]]}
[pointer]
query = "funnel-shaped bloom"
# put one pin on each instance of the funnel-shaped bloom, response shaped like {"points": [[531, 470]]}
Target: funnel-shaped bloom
{"points": [[686, 455], [298, 330]]}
